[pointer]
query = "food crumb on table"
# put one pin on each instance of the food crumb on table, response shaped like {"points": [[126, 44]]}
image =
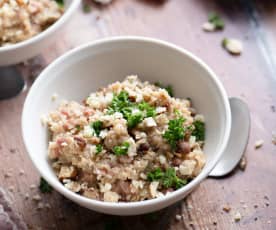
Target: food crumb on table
{"points": [[237, 217], [178, 217], [37, 197], [226, 208], [11, 188], [243, 163], [233, 46], [208, 27], [259, 144], [33, 186], [274, 138], [26, 196]]}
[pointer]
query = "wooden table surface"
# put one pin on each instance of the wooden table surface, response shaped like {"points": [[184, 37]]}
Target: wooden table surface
{"points": [[251, 76]]}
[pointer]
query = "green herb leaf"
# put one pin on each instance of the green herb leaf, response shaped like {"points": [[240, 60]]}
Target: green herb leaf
{"points": [[168, 88], [224, 42], [216, 20], [121, 103], [175, 132], [60, 2], [121, 149], [97, 126], [86, 8], [44, 186], [99, 148], [134, 119], [167, 179], [199, 130], [78, 127], [155, 175], [149, 110]]}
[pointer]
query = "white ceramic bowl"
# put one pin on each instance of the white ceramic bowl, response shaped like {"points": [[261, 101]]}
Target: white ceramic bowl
{"points": [[83, 70], [21, 51]]}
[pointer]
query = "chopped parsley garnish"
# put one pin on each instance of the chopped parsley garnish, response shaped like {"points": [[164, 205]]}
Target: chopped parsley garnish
{"points": [[97, 127], [119, 102], [168, 88], [134, 113], [175, 132], [155, 175], [86, 8], [216, 20], [167, 179], [134, 119], [99, 148], [44, 187], [149, 110], [199, 130], [60, 2], [78, 127], [121, 149]]}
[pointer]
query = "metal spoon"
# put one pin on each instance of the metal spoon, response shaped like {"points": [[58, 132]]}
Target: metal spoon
{"points": [[11, 82], [238, 139]]}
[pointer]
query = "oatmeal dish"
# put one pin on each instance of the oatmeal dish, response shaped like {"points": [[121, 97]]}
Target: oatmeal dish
{"points": [[129, 141], [23, 19]]}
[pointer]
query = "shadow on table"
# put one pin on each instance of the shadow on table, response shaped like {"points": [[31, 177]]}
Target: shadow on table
{"points": [[159, 220], [235, 7]]}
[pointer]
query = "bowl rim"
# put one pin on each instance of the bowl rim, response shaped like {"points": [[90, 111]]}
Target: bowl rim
{"points": [[44, 34], [126, 205]]}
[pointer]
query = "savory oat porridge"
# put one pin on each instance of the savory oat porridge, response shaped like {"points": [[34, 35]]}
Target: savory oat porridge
{"points": [[129, 141], [23, 19]]}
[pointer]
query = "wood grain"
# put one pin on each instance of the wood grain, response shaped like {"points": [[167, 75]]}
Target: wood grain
{"points": [[249, 76]]}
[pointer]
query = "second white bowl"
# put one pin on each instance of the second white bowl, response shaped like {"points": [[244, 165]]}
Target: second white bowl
{"points": [[21, 51]]}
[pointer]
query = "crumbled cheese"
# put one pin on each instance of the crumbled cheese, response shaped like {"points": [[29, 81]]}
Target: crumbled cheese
{"points": [[259, 144], [132, 150], [105, 188], [149, 122], [103, 133], [111, 196], [160, 110], [73, 186], [153, 188], [187, 167], [87, 131], [138, 184], [209, 27], [67, 172], [162, 159], [63, 144]]}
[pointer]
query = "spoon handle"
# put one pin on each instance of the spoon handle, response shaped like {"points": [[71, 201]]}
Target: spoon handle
{"points": [[238, 138], [11, 82]]}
